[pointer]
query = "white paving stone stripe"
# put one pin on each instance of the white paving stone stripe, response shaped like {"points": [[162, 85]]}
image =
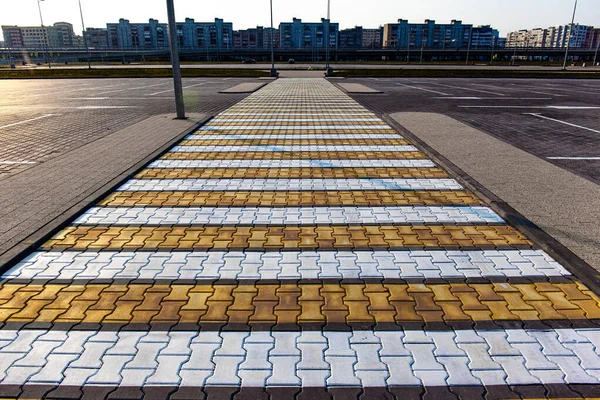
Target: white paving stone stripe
{"points": [[292, 149], [124, 216], [306, 136], [150, 185], [288, 265], [292, 164], [292, 127], [276, 114], [301, 359], [322, 119]]}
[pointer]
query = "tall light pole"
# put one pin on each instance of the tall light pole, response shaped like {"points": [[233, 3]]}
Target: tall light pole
{"points": [[469, 46], [422, 45], [175, 61], [493, 45], [329, 71], [595, 54], [274, 73], [85, 41], [569, 37], [44, 35]]}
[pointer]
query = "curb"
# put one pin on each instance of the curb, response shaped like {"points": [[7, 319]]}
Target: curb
{"points": [[559, 252], [18, 252]]}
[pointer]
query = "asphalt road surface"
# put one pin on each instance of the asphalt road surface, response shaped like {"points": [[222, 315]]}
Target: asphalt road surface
{"points": [[557, 120], [40, 119]]}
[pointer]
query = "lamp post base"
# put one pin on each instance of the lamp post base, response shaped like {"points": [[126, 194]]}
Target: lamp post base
{"points": [[329, 72], [274, 73]]}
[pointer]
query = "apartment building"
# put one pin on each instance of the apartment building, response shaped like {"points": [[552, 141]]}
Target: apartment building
{"points": [[307, 35], [215, 34], [438, 36], [97, 38], [58, 36], [142, 36], [372, 38], [351, 38]]}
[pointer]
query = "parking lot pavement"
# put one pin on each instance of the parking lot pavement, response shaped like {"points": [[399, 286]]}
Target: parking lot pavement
{"points": [[556, 120], [42, 119], [311, 270]]}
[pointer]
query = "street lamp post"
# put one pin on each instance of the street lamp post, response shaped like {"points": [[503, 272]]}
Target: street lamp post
{"points": [[568, 39], [422, 45], [85, 40], [175, 61], [274, 73], [595, 54], [469, 46], [408, 45], [493, 45], [45, 47], [328, 69]]}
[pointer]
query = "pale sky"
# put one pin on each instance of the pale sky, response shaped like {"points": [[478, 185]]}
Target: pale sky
{"points": [[505, 15]]}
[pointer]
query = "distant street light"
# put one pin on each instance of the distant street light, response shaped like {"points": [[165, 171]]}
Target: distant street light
{"points": [[175, 61], [274, 73], [85, 41], [469, 46], [422, 45], [569, 37], [597, 47], [328, 70], [45, 46]]}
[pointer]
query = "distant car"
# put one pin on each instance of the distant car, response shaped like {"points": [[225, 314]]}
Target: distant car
{"points": [[291, 61], [249, 61]]}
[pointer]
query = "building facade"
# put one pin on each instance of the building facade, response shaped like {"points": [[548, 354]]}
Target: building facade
{"points": [[351, 38], [134, 36], [97, 38], [372, 38], [437, 36], [307, 35], [200, 35], [578, 36], [58, 36]]}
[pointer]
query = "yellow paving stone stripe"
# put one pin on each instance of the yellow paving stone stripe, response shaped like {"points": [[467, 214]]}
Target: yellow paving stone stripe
{"points": [[288, 237], [291, 173], [296, 142], [288, 199], [307, 155], [289, 302]]}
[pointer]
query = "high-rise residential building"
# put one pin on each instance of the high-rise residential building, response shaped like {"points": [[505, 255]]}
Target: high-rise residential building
{"points": [[13, 37], [351, 38], [555, 36], [126, 35], [592, 39], [58, 36], [97, 38], [307, 35], [217, 34], [271, 35], [437, 36], [249, 38], [372, 38]]}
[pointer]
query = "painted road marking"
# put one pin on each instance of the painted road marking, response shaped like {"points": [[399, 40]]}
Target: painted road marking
{"points": [[293, 127], [468, 89], [149, 185], [292, 164], [170, 90], [563, 122], [29, 120], [493, 98], [575, 158], [216, 216], [423, 89], [544, 107], [16, 162]]}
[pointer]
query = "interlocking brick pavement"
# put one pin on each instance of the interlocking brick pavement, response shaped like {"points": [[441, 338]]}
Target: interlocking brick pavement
{"points": [[295, 267]]}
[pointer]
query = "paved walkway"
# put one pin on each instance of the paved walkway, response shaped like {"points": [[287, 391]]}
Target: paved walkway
{"points": [[295, 247]]}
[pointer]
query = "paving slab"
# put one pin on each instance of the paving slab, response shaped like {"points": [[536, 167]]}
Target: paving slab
{"points": [[248, 87], [36, 201], [358, 88], [564, 205]]}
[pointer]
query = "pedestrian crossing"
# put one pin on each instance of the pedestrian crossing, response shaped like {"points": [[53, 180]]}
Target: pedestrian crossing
{"points": [[296, 246]]}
